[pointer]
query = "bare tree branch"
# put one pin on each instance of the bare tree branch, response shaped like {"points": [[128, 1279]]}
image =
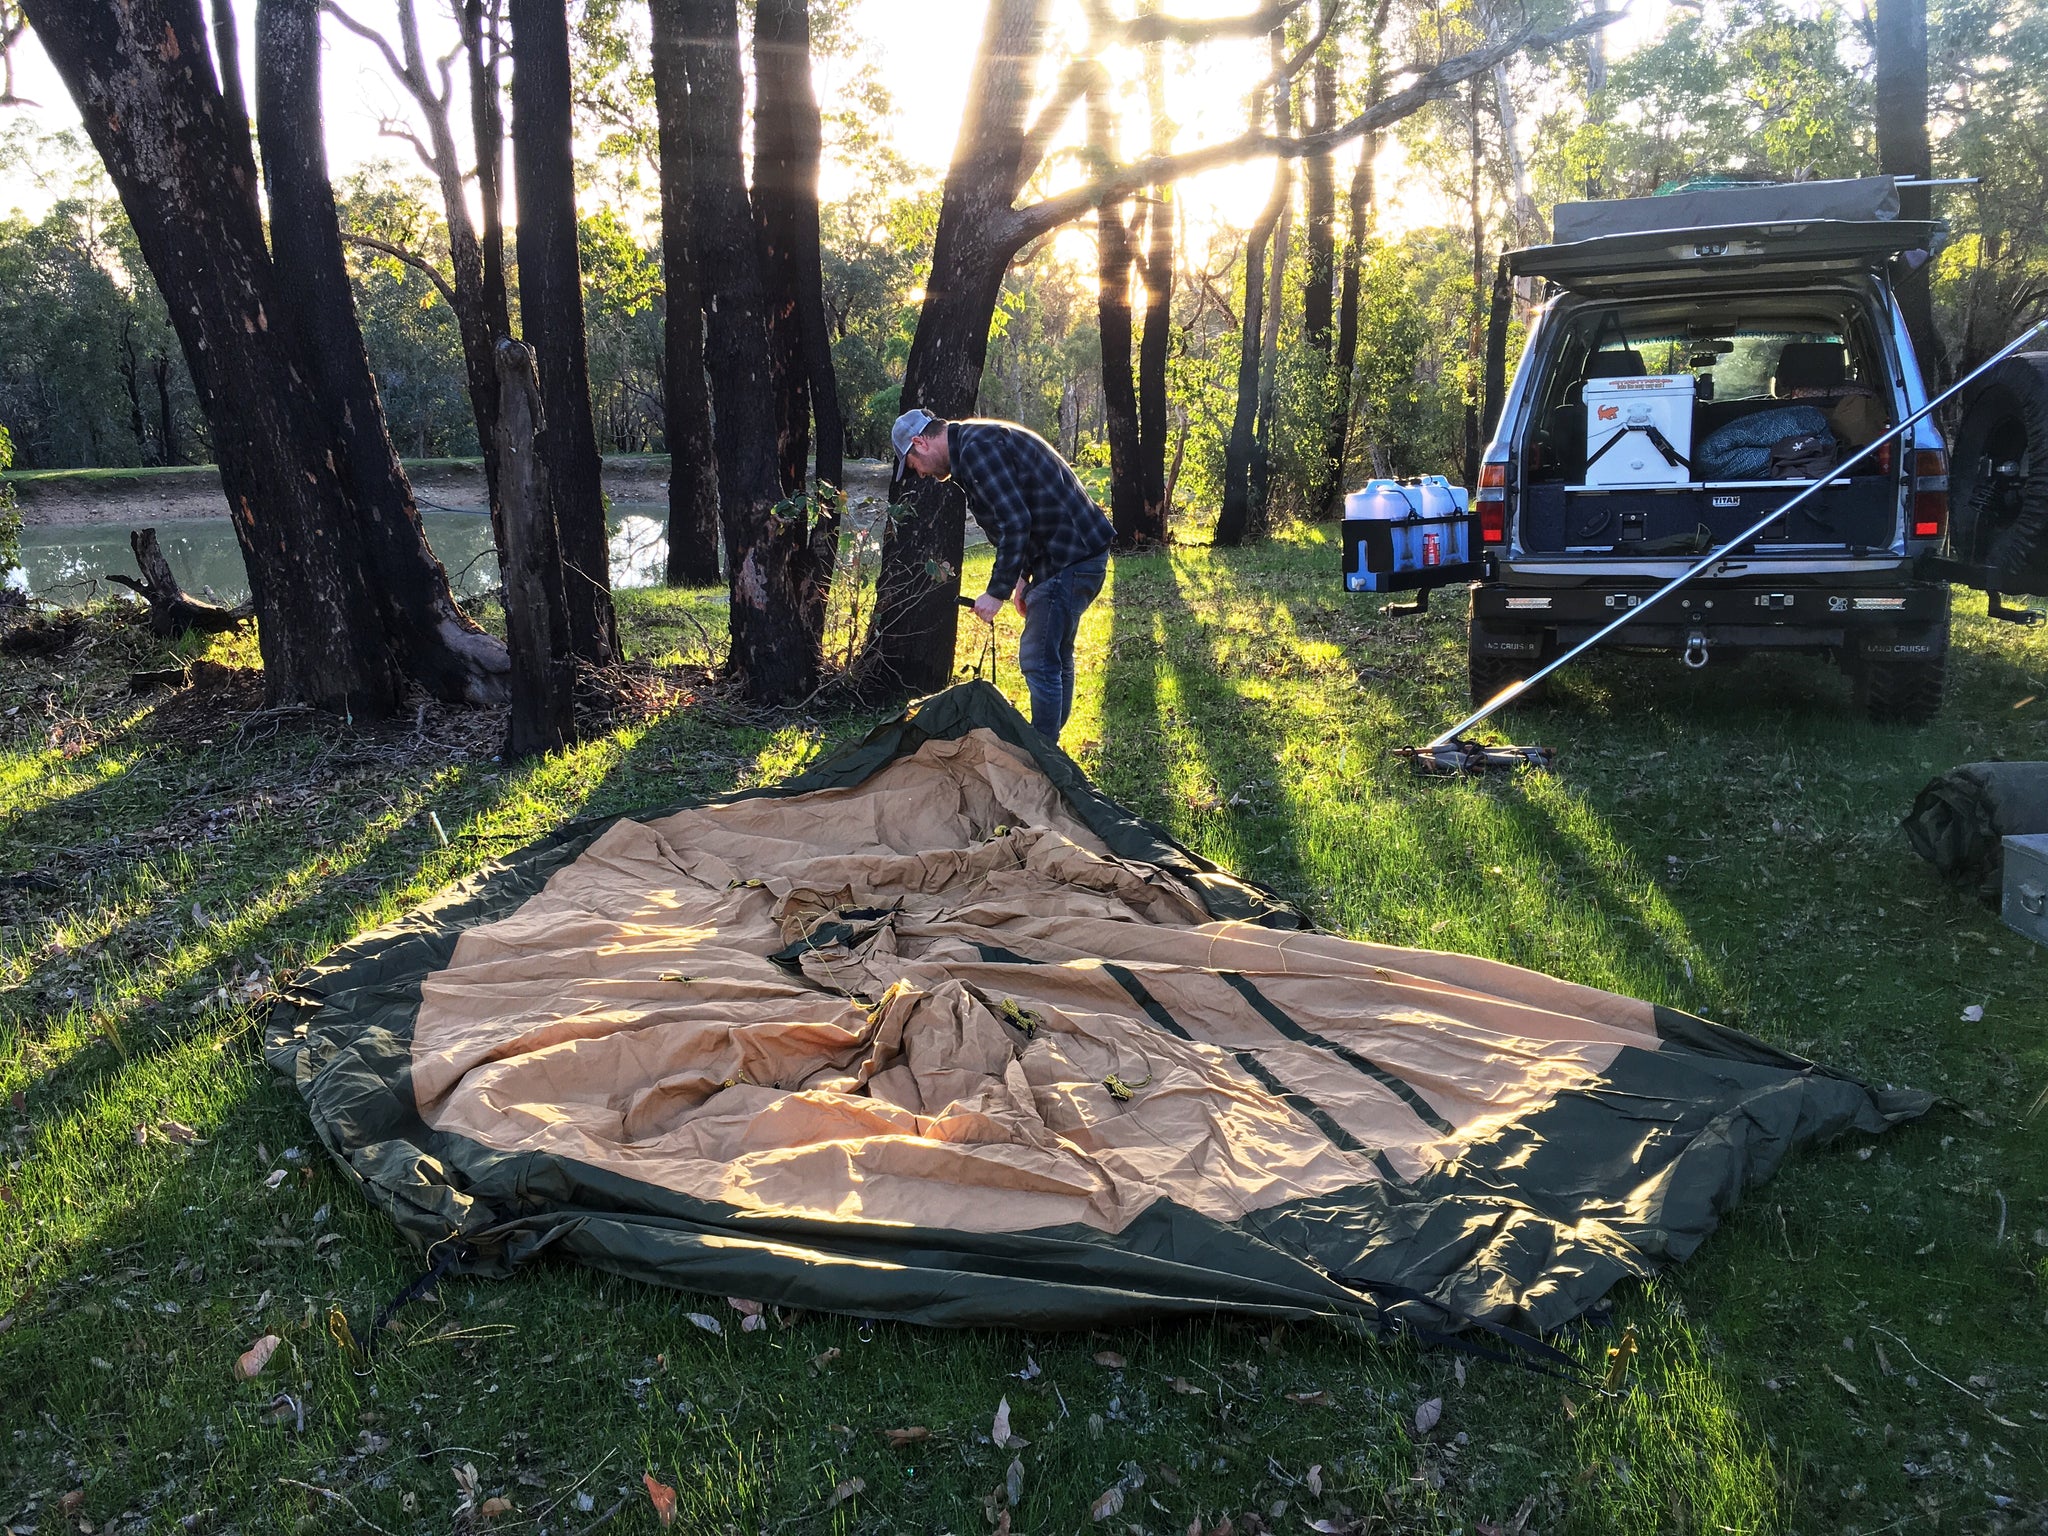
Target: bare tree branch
{"points": [[1075, 81], [1064, 207], [1157, 28], [1306, 51], [412, 259], [368, 34]]}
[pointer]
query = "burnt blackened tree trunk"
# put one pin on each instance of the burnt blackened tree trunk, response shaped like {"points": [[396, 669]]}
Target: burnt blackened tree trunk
{"points": [[1319, 280], [143, 84], [693, 467], [551, 314], [447, 653], [1903, 149], [1239, 516], [1114, 261], [787, 145], [543, 714], [774, 195], [1157, 269], [767, 552]]}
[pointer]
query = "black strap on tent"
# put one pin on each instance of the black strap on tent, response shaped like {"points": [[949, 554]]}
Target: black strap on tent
{"points": [[446, 1256]]}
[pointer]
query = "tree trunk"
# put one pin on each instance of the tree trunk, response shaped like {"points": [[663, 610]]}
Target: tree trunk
{"points": [[1157, 270], [543, 715], [172, 611], [1114, 259], [692, 464], [912, 636], [768, 556], [1319, 234], [1495, 389], [228, 61], [1903, 149], [1476, 322], [788, 141], [166, 427], [1344, 361], [141, 80], [775, 32], [441, 648], [487, 125], [478, 320], [551, 313], [1261, 476], [1238, 519]]}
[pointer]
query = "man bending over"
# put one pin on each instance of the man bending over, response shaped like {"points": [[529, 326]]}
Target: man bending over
{"points": [[1051, 541]]}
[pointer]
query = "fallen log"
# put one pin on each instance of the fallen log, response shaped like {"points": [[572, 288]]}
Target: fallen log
{"points": [[172, 611]]}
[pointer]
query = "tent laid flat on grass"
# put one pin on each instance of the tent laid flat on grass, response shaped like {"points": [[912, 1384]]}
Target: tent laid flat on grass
{"points": [[935, 1032]]}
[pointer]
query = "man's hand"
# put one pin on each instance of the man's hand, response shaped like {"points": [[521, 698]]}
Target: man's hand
{"points": [[1017, 597], [987, 606]]}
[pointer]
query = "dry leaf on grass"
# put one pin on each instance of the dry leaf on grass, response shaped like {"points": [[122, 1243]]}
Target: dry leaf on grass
{"points": [[1187, 1388], [705, 1321], [491, 1508], [1427, 1414], [1318, 1399], [1109, 1359], [999, 1430], [662, 1497], [845, 1491], [1013, 1482], [820, 1361], [750, 1312], [69, 1504], [252, 1360], [178, 1131], [275, 1177], [1846, 1384], [898, 1438], [1109, 1505], [1314, 1481]]}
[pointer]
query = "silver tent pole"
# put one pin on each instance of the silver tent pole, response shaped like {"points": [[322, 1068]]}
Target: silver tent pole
{"points": [[1516, 690]]}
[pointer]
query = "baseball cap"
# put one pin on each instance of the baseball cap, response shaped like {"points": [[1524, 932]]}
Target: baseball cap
{"points": [[910, 424]]}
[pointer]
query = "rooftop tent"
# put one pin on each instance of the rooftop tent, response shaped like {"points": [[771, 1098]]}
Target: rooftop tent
{"points": [[1868, 198], [1689, 240], [936, 1032]]}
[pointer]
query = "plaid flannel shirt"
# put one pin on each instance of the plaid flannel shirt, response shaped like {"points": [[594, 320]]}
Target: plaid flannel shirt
{"points": [[1030, 504]]}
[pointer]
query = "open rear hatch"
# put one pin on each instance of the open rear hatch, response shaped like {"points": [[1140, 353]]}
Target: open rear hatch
{"points": [[1688, 240]]}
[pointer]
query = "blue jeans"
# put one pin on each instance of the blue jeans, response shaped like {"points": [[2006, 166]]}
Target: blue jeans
{"points": [[1052, 616]]}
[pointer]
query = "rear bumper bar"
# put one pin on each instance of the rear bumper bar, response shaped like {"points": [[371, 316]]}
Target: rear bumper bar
{"points": [[1753, 617]]}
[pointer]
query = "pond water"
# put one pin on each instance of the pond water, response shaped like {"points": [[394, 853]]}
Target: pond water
{"points": [[69, 565]]}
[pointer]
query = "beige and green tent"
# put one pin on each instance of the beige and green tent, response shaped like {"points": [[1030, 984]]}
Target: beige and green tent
{"points": [[936, 1032]]}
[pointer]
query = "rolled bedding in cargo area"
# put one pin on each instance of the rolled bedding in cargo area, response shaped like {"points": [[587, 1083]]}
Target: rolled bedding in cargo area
{"points": [[1957, 820]]}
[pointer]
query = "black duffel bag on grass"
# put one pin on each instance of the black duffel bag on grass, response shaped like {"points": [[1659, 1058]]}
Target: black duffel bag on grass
{"points": [[1957, 820]]}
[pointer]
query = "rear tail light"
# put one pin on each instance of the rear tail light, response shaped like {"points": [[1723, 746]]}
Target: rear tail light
{"points": [[1493, 503], [1930, 493]]}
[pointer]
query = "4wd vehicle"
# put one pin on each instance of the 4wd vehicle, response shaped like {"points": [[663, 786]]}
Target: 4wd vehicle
{"points": [[1701, 358]]}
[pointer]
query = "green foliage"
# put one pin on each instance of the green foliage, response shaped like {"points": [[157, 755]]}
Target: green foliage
{"points": [[414, 344], [622, 317], [90, 370]]}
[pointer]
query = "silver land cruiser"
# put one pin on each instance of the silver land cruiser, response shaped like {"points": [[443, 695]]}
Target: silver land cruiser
{"points": [[1701, 357]]}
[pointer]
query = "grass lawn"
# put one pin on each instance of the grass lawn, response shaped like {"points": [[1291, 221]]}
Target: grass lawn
{"points": [[1862, 1347]]}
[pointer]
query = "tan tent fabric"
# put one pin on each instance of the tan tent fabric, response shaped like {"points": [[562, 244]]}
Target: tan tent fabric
{"points": [[935, 1032], [629, 1017]]}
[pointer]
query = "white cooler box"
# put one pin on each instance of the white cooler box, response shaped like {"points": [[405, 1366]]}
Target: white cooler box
{"points": [[1639, 431]]}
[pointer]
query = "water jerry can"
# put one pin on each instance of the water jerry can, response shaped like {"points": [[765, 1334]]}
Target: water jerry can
{"points": [[1402, 535]]}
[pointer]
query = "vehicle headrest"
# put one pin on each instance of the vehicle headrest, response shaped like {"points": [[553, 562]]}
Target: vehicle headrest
{"points": [[1620, 364], [1810, 365]]}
